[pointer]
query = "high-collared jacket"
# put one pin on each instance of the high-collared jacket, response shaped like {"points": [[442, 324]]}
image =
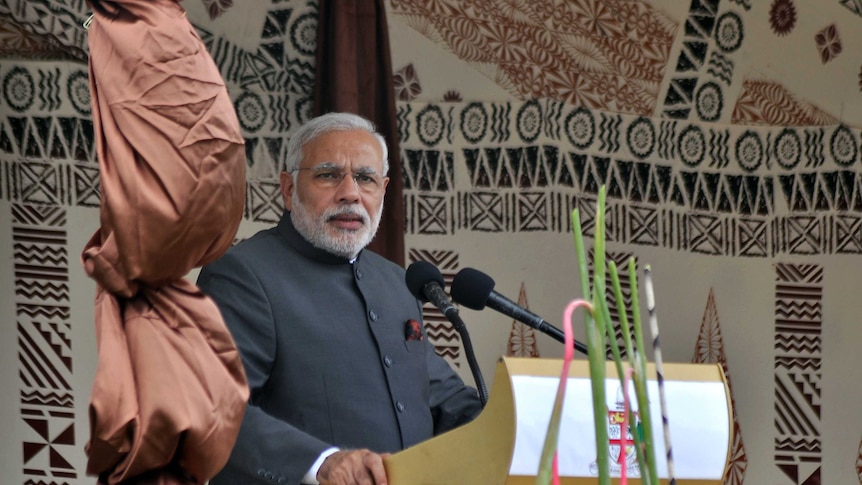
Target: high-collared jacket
{"points": [[329, 356]]}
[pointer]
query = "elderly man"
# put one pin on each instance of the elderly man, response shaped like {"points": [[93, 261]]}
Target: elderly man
{"points": [[323, 326]]}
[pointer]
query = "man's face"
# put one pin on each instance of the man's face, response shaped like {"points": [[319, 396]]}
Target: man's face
{"points": [[336, 198]]}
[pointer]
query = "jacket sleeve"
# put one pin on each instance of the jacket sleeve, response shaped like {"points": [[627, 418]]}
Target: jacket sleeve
{"points": [[452, 402], [267, 450]]}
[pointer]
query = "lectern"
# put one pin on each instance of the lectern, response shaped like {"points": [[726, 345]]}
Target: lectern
{"points": [[503, 444]]}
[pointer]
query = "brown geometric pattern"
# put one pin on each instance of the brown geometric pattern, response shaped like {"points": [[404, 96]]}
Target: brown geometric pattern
{"points": [[263, 202], [763, 102], [859, 463], [751, 192], [603, 54], [14, 39], [710, 350], [57, 24], [41, 266], [704, 65], [441, 333], [430, 173], [621, 260], [522, 338], [798, 357]]}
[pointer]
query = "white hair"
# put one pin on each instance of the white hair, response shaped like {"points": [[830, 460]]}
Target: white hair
{"points": [[321, 125]]}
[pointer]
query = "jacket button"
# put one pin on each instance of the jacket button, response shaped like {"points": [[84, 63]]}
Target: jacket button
{"points": [[387, 361], [359, 274], [399, 406], [372, 315]]}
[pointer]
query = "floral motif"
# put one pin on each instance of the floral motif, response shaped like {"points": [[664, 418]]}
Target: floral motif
{"points": [[828, 43], [782, 16], [452, 96], [215, 8], [407, 87]]}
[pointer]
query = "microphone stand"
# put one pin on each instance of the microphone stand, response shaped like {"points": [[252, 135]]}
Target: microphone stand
{"points": [[559, 336], [456, 321]]}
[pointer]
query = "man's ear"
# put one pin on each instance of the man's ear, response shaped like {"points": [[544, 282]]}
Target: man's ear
{"points": [[287, 187]]}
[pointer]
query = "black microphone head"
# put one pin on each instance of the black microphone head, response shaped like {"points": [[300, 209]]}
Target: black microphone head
{"points": [[419, 274], [472, 288]]}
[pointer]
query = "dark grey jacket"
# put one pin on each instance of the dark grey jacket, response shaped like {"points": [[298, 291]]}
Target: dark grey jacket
{"points": [[324, 348]]}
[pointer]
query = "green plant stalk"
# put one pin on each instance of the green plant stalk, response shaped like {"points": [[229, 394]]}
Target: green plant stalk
{"points": [[595, 358], [581, 254], [624, 320], [596, 342], [543, 477], [624, 323], [640, 380]]}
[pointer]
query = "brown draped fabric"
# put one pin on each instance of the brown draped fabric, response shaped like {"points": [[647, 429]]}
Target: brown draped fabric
{"points": [[169, 391], [354, 74]]}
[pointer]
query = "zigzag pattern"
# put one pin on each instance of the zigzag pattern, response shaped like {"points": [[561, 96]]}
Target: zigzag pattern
{"points": [[795, 311], [31, 481], [721, 67], [43, 291], [551, 120], [46, 398], [500, 114], [795, 444], [609, 132], [403, 120], [667, 140], [795, 345], [36, 312], [798, 363], [446, 340], [719, 140], [35, 253], [814, 148], [49, 90]]}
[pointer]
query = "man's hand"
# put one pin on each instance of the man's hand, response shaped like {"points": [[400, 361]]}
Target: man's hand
{"points": [[352, 467]]}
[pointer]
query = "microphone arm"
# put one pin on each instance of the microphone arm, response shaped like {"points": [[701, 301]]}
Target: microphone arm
{"points": [[529, 319], [456, 321], [426, 283]]}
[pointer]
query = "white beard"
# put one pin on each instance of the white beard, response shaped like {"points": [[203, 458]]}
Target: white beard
{"points": [[346, 243]]}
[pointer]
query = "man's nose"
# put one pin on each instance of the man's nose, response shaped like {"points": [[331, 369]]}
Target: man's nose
{"points": [[348, 189]]}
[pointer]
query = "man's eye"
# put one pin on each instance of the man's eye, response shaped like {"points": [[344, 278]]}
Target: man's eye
{"points": [[328, 175], [365, 179]]}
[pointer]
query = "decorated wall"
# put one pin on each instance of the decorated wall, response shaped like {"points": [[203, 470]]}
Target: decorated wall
{"points": [[727, 134]]}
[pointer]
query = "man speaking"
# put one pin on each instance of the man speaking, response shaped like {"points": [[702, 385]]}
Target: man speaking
{"points": [[337, 361]]}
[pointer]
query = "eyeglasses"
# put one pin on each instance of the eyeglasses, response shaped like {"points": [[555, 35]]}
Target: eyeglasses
{"points": [[367, 180]]}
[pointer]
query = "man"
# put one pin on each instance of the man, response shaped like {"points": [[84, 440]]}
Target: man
{"points": [[323, 326]]}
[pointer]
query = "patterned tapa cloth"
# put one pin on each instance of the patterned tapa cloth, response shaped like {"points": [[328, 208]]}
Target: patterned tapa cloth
{"points": [[169, 391]]}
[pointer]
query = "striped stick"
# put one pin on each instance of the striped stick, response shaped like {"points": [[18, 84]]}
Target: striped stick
{"points": [[653, 325]]}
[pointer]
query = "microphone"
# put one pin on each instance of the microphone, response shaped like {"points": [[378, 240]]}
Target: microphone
{"points": [[474, 289], [426, 283]]}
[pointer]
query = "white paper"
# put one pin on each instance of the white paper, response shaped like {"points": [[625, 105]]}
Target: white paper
{"points": [[697, 412]]}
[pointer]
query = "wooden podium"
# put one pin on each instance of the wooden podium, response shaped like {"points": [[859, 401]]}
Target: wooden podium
{"points": [[488, 451]]}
